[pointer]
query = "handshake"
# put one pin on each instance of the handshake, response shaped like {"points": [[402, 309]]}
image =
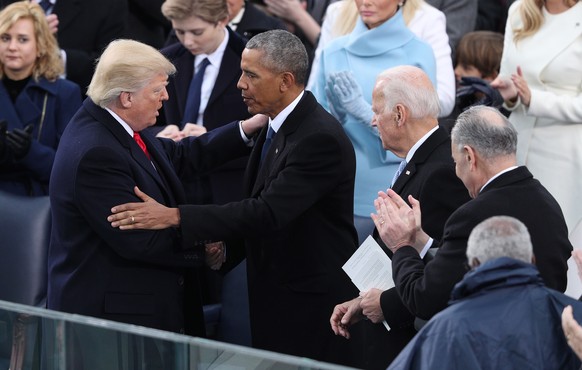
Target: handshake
{"points": [[173, 131], [14, 144]]}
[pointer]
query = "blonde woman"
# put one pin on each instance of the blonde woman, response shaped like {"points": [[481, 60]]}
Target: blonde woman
{"points": [[34, 102], [541, 82], [425, 21]]}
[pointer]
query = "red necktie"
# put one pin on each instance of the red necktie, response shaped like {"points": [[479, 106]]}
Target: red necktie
{"points": [[141, 144]]}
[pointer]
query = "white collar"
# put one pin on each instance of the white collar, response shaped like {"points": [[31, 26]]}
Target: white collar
{"points": [[215, 58], [121, 122], [415, 147], [277, 122]]}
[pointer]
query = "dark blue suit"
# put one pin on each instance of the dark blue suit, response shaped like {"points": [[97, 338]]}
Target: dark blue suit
{"points": [[223, 184], [139, 277], [30, 175]]}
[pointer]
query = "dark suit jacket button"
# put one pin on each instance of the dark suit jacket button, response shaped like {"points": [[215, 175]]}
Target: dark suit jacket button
{"points": [[181, 281]]}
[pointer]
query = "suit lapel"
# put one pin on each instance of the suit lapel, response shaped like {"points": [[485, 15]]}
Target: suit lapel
{"points": [[8, 112], [101, 115], [170, 183], [229, 71], [277, 150], [419, 157], [185, 67]]}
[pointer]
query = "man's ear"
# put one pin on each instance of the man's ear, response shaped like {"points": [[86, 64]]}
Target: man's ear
{"points": [[401, 114], [470, 155], [125, 99], [287, 81]]}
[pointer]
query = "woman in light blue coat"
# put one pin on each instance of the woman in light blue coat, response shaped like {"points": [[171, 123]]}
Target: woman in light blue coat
{"points": [[347, 73], [35, 104]]}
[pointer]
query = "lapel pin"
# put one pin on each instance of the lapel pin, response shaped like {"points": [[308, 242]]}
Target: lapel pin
{"points": [[407, 173]]}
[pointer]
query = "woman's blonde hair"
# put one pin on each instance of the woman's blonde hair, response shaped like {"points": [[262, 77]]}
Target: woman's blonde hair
{"points": [[126, 66], [48, 63], [211, 11], [531, 14], [348, 15]]}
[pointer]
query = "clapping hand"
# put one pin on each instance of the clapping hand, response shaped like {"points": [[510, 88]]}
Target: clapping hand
{"points": [[19, 141], [350, 97]]}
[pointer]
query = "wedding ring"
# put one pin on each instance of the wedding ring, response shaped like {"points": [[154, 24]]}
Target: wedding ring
{"points": [[132, 219], [382, 222]]}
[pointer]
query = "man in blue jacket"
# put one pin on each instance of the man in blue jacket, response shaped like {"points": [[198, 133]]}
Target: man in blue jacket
{"points": [[501, 314]]}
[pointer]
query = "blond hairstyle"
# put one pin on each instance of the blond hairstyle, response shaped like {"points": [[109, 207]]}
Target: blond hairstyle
{"points": [[531, 14], [348, 15], [211, 11], [126, 65], [48, 63]]}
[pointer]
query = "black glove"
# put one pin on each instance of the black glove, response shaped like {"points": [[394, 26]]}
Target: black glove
{"points": [[475, 91], [3, 125], [19, 140]]}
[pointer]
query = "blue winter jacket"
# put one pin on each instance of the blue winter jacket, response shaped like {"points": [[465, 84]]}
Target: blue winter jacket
{"points": [[501, 316]]}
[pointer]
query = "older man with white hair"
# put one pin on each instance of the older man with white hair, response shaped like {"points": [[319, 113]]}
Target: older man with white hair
{"points": [[501, 314], [483, 144]]}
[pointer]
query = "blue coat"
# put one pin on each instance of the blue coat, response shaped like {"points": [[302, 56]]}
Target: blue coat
{"points": [[30, 175], [367, 52], [142, 277], [501, 317]]}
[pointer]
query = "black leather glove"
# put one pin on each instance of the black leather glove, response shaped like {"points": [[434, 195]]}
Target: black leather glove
{"points": [[19, 141], [3, 125], [475, 91]]}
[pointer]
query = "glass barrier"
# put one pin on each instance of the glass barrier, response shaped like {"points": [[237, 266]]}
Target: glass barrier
{"points": [[35, 338]]}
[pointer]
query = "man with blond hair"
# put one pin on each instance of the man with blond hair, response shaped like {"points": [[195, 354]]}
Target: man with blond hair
{"points": [[146, 277]]}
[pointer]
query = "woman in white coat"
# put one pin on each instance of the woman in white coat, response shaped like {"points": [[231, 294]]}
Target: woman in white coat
{"points": [[541, 82]]}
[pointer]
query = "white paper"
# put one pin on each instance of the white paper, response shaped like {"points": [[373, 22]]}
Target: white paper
{"points": [[370, 267]]}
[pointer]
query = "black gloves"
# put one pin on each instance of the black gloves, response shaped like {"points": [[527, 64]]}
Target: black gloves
{"points": [[18, 141], [475, 91]]}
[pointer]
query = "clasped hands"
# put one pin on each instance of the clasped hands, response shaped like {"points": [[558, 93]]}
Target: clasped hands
{"points": [[366, 306], [345, 96], [513, 87], [173, 132], [15, 144]]}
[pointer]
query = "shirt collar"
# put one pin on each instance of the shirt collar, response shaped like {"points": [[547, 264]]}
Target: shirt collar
{"points": [[214, 58], [412, 150], [236, 20], [497, 175], [121, 122], [277, 122]]}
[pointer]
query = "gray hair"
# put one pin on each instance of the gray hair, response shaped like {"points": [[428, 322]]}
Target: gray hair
{"points": [[282, 52], [126, 65], [485, 130], [500, 236], [411, 87]]}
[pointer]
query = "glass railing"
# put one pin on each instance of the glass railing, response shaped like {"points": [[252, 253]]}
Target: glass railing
{"points": [[35, 338]]}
